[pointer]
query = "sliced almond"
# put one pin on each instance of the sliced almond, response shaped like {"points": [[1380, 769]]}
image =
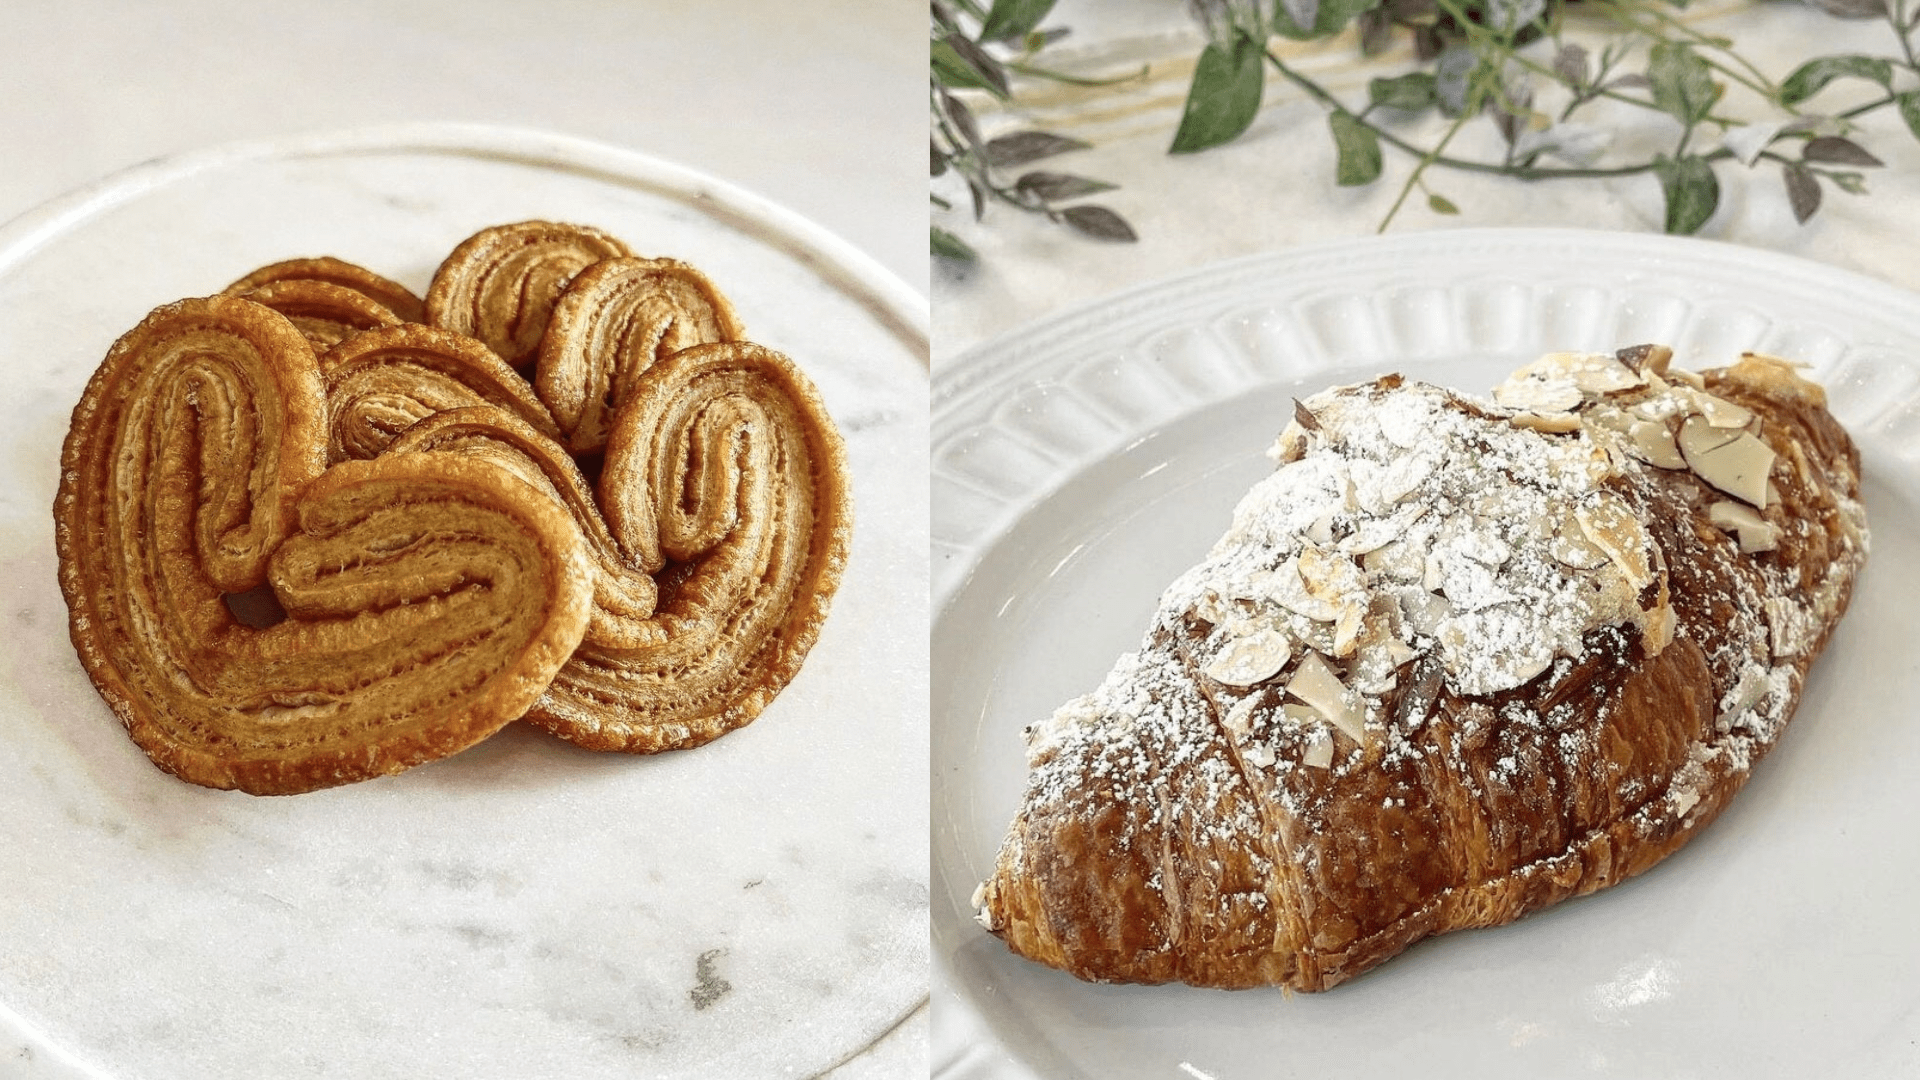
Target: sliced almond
{"points": [[1570, 547], [1538, 395], [1319, 749], [1424, 610], [1739, 467], [1302, 715], [1720, 412], [1346, 630], [1399, 652], [1329, 575], [1593, 373], [1321, 531], [1396, 560], [1699, 436], [1612, 527], [1259, 755], [1689, 378], [1646, 359], [1284, 586], [1315, 683], [1250, 658], [1657, 626], [1652, 442], [1211, 607], [1239, 718], [1546, 423], [1752, 688], [1755, 532], [1598, 373], [1290, 446], [1372, 534]]}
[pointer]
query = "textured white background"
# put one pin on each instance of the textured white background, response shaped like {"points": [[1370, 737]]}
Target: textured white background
{"points": [[1272, 188]]}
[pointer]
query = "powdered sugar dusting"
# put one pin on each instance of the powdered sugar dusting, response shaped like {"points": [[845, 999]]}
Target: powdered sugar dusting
{"points": [[1418, 555]]}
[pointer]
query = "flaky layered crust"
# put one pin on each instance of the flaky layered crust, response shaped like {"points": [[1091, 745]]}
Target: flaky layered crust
{"points": [[428, 602], [1192, 821], [306, 540]]}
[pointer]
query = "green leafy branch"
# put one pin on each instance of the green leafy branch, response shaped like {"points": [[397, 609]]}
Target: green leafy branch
{"points": [[1005, 39], [1491, 58]]}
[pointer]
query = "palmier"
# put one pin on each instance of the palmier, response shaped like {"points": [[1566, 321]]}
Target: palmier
{"points": [[428, 600], [380, 382], [499, 285], [624, 594], [324, 313], [614, 321], [725, 478], [339, 273]]}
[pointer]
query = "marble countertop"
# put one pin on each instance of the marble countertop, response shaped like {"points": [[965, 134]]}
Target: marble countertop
{"points": [[416, 945], [1273, 189]]}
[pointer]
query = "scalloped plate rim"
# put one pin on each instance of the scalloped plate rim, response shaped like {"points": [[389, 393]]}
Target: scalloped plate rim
{"points": [[967, 387]]}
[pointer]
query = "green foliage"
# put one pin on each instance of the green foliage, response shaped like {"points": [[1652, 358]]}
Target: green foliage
{"points": [[1811, 77], [1359, 150], [1692, 192], [1503, 60], [964, 59], [1224, 96]]}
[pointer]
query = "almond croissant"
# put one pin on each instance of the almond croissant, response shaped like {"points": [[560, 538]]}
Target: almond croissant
{"points": [[1454, 661]]}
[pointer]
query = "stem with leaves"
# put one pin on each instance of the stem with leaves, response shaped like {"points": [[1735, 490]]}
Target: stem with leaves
{"points": [[1483, 58], [964, 61]]}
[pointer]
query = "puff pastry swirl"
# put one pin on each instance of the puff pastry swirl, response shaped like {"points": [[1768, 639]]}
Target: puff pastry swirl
{"points": [[428, 601]]}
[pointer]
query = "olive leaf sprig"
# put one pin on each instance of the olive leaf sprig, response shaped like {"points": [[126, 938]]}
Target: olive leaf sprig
{"points": [[1495, 58], [963, 59]]}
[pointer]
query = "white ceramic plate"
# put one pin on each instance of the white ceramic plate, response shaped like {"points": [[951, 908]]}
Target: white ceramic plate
{"points": [[1081, 464], [525, 908]]}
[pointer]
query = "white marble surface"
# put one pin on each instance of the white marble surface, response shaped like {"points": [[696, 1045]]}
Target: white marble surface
{"points": [[522, 909], [817, 105], [1272, 189]]}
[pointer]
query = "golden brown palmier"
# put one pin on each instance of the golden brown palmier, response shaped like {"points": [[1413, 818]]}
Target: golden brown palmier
{"points": [[501, 283], [428, 601], [340, 273], [324, 313], [623, 593], [614, 321], [727, 480], [380, 382]]}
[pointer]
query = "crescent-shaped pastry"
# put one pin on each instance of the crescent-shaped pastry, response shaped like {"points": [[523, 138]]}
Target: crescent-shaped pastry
{"points": [[428, 600], [613, 322], [380, 382], [727, 480], [500, 284], [392, 295], [1454, 661]]}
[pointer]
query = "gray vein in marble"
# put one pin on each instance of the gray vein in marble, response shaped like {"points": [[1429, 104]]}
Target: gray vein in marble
{"points": [[708, 986]]}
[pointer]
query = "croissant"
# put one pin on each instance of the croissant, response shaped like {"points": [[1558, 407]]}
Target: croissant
{"points": [[1454, 661]]}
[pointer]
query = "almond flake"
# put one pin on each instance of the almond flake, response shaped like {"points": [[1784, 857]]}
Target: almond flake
{"points": [[1739, 468], [1613, 529], [1319, 750], [1315, 683], [1652, 442], [1250, 658]]}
